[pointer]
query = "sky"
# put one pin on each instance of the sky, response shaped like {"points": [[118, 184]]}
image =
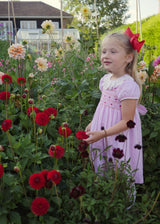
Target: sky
{"points": [[147, 7]]}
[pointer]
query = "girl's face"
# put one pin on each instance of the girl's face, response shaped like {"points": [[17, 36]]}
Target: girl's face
{"points": [[114, 58]]}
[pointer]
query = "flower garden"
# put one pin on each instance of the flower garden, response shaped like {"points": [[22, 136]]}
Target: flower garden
{"points": [[46, 176]]}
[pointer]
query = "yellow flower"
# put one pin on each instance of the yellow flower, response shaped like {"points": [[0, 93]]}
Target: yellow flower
{"points": [[48, 26], [68, 39], [16, 51], [42, 64], [85, 11], [29, 56], [142, 75], [59, 52]]}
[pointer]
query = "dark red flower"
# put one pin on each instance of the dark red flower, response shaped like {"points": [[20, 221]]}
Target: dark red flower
{"points": [[30, 110], [21, 80], [81, 135], [4, 95], [56, 151], [1, 170], [77, 192], [42, 118], [40, 206], [48, 183], [37, 181], [51, 111], [7, 79], [85, 113], [55, 176], [6, 124], [24, 95], [138, 146], [118, 153], [65, 131], [131, 124], [121, 138], [84, 154], [83, 146], [44, 173]]}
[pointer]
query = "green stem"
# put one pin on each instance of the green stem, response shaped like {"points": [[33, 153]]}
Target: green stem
{"points": [[142, 219], [20, 173], [10, 142]]}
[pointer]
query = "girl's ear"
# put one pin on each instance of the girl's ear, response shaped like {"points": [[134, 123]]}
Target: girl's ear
{"points": [[129, 58]]}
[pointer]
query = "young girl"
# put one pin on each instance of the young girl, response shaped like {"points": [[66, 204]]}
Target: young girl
{"points": [[116, 121]]}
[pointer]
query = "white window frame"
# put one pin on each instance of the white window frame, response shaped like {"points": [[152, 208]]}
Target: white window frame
{"points": [[4, 35], [28, 24]]}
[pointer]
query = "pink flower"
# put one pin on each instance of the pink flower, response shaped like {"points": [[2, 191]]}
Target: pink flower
{"points": [[156, 62]]}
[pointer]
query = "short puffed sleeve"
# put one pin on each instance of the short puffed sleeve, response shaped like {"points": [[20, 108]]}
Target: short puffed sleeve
{"points": [[129, 89]]}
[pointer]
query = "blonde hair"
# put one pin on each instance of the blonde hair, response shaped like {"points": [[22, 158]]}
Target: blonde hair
{"points": [[131, 68]]}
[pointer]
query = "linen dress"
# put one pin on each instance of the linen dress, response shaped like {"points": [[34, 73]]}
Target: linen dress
{"points": [[107, 114]]}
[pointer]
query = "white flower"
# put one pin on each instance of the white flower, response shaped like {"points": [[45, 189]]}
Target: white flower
{"points": [[69, 39], [86, 12], [16, 51], [59, 52], [142, 76], [156, 74], [48, 26], [42, 64], [142, 65], [1, 74], [31, 75]]}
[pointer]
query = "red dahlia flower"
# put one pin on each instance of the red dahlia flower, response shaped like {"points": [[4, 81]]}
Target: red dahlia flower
{"points": [[55, 176], [51, 111], [81, 135], [37, 181], [48, 183], [56, 151], [77, 192], [21, 81], [6, 79], [84, 154], [6, 124], [118, 153], [40, 206], [42, 118], [83, 146], [1, 170], [65, 131], [4, 95], [30, 110]]}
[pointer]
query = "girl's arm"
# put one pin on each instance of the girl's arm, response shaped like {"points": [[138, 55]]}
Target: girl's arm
{"points": [[128, 108]]}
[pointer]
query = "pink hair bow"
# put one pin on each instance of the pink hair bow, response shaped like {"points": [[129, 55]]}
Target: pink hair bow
{"points": [[136, 44]]}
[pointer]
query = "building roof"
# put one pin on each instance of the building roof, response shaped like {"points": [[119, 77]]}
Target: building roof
{"points": [[26, 9]]}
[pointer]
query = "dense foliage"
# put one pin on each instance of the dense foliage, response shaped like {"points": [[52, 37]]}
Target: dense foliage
{"points": [[109, 14], [70, 86]]}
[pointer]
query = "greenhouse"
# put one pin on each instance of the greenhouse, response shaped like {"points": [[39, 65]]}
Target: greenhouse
{"points": [[36, 40]]}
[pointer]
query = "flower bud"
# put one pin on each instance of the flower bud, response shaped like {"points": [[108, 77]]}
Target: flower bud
{"points": [[30, 101], [1, 148], [16, 169]]}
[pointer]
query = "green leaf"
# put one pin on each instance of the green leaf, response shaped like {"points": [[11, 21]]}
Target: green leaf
{"points": [[15, 217], [3, 219]]}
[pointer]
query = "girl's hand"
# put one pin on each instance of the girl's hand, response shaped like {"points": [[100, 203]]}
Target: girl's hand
{"points": [[95, 136], [88, 128]]}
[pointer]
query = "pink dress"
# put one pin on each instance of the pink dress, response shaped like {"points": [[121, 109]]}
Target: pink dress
{"points": [[107, 114]]}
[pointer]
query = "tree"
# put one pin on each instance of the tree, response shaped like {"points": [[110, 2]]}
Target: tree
{"points": [[110, 13]]}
